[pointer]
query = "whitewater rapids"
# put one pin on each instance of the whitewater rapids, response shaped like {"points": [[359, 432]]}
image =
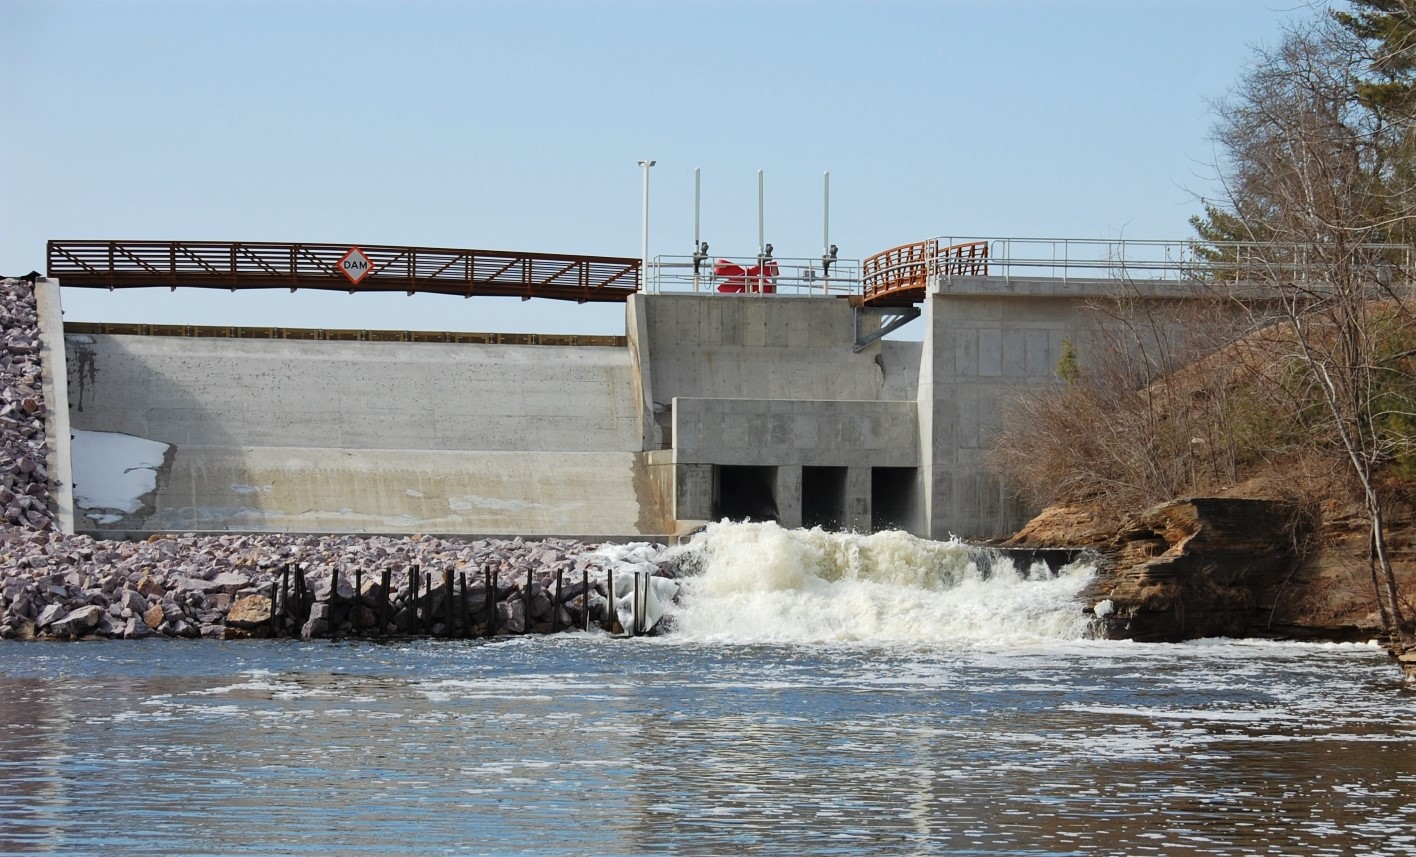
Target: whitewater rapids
{"points": [[760, 583]]}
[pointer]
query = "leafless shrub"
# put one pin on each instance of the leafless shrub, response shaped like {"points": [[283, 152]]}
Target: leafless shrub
{"points": [[1161, 402]]}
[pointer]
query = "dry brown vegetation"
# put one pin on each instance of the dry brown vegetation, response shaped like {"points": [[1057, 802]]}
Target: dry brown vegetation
{"points": [[1157, 407], [1213, 413]]}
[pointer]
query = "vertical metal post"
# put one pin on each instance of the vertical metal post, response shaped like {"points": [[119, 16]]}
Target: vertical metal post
{"points": [[299, 586], [273, 626], [285, 595], [556, 603], [634, 608], [466, 618], [413, 577], [333, 589], [610, 601], [491, 585], [826, 229], [447, 602], [761, 225], [697, 210], [585, 595], [644, 254], [386, 583]]}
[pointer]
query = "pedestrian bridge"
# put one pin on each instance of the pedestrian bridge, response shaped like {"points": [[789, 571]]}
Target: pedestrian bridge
{"points": [[899, 277], [342, 267]]}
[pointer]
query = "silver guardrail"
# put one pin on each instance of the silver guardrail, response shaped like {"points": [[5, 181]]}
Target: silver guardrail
{"points": [[1143, 259], [1185, 260], [754, 275]]}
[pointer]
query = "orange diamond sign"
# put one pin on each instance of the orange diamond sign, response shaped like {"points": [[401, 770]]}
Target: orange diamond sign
{"points": [[355, 265]]}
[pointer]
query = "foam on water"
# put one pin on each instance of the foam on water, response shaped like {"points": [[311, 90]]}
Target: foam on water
{"points": [[750, 582], [1055, 747]]}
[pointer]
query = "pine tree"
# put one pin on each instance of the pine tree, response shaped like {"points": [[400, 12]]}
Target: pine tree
{"points": [[1388, 27], [1376, 65]]}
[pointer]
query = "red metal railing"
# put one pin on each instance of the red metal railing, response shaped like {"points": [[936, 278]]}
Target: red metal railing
{"points": [[259, 265], [901, 274]]}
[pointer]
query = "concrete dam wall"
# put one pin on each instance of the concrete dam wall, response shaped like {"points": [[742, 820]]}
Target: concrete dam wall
{"points": [[739, 406], [365, 436]]}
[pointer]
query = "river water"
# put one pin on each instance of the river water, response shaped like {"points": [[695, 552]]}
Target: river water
{"points": [[839, 695]]}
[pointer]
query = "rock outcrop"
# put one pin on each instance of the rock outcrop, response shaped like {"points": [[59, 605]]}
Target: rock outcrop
{"points": [[1198, 567], [1232, 566]]}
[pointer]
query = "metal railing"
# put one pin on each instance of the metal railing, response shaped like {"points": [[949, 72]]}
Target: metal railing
{"points": [[1160, 260], [754, 275], [902, 274], [896, 277], [261, 265]]}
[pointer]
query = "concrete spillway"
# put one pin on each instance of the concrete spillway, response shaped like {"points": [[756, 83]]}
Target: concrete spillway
{"points": [[370, 436]]}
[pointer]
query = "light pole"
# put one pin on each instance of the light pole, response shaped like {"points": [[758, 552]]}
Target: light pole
{"points": [[644, 254]]}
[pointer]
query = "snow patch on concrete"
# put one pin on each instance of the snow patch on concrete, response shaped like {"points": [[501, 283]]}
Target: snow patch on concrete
{"points": [[113, 471]]}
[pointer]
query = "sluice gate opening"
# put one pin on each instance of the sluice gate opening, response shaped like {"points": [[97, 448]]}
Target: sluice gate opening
{"points": [[745, 493], [823, 497], [894, 499]]}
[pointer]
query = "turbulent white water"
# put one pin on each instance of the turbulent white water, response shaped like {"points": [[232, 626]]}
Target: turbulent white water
{"points": [[762, 583]]}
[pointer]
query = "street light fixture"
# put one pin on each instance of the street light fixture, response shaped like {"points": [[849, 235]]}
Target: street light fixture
{"points": [[644, 254]]}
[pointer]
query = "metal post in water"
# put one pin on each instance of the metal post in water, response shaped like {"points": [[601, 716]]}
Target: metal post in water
{"points": [[413, 578], [634, 608], [273, 614], [299, 586], [491, 601], [610, 601], [332, 599], [585, 596], [556, 603], [466, 614], [387, 581], [358, 616], [284, 594], [447, 602], [429, 620]]}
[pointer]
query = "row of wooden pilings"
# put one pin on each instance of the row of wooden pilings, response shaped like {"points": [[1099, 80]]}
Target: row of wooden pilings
{"points": [[448, 611]]}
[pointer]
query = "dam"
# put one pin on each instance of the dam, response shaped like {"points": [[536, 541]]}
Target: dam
{"points": [[768, 392]]}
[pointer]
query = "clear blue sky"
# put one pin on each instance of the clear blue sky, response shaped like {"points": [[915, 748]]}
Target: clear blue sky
{"points": [[517, 125]]}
